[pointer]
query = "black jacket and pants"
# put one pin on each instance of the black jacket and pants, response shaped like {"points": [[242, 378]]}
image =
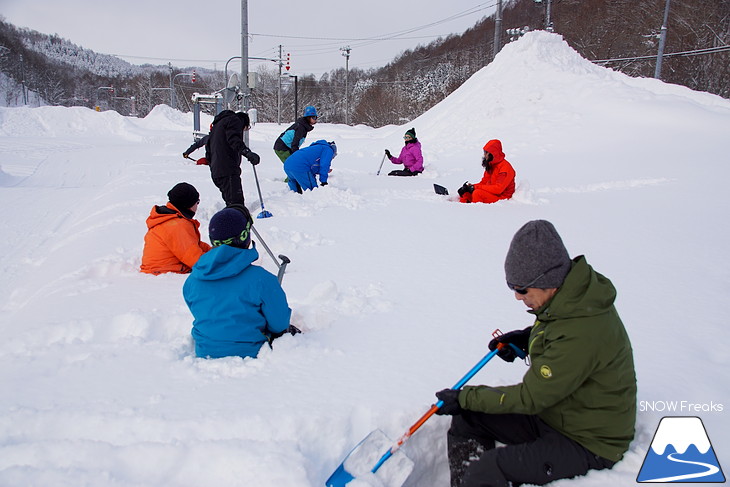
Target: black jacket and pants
{"points": [[223, 150]]}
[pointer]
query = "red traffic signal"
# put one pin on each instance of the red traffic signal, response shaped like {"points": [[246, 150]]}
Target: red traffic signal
{"points": [[193, 76]]}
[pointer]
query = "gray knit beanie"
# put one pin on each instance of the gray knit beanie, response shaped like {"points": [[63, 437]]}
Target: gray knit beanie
{"points": [[537, 248]]}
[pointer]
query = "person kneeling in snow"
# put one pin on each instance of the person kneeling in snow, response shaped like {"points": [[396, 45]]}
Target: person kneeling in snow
{"points": [[172, 242], [303, 166], [238, 307], [410, 156], [575, 409], [498, 182]]}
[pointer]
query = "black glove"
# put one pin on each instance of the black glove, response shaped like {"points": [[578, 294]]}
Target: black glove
{"points": [[252, 157], [518, 338], [466, 188], [293, 330], [387, 153], [186, 154], [323, 184], [451, 406]]}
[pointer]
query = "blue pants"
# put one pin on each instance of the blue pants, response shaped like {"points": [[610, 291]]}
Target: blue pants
{"points": [[300, 180]]}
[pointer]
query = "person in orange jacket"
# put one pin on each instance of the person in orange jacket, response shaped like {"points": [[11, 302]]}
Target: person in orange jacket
{"points": [[172, 242], [498, 182]]}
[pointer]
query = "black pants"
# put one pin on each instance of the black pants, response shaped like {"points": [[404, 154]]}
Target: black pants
{"points": [[403, 172], [534, 453], [231, 189]]}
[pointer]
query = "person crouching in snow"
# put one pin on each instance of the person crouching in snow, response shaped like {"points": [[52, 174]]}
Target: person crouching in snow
{"points": [[304, 165], [498, 182], [172, 242], [410, 156], [237, 306]]}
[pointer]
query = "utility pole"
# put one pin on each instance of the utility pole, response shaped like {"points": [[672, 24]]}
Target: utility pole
{"points": [[278, 92], [498, 29], [22, 81], [548, 14], [244, 59], [346, 52], [662, 42], [172, 88], [548, 18]]}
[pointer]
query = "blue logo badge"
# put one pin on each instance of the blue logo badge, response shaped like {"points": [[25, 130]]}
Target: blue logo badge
{"points": [[681, 452]]}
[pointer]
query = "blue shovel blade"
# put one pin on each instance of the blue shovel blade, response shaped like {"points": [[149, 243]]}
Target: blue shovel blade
{"points": [[360, 462], [340, 477], [264, 214]]}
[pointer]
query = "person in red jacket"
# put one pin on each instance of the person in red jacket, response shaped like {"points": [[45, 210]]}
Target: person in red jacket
{"points": [[172, 242], [498, 182]]}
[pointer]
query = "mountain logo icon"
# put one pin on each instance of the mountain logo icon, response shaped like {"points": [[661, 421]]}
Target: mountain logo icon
{"points": [[681, 452]]}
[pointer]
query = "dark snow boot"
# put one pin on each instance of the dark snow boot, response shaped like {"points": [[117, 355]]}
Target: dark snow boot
{"points": [[462, 452]]}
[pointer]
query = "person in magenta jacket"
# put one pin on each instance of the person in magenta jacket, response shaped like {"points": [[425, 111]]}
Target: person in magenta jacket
{"points": [[498, 182], [410, 156]]}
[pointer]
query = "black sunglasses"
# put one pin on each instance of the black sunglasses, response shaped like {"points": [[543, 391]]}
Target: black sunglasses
{"points": [[523, 289]]}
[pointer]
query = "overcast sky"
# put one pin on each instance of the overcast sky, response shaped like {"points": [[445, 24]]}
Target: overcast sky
{"points": [[207, 33]]}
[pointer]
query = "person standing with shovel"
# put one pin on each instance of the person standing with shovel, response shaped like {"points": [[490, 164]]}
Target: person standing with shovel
{"points": [[224, 150]]}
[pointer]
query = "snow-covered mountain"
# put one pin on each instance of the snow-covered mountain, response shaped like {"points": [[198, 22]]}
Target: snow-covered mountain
{"points": [[397, 289]]}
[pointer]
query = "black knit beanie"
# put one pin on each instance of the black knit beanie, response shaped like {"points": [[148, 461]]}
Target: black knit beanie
{"points": [[537, 249], [411, 132], [231, 226], [183, 196]]}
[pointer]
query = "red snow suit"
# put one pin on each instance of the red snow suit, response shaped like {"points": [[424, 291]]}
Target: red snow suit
{"points": [[499, 184]]}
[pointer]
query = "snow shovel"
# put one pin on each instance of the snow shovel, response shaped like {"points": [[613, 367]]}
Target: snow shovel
{"points": [[351, 467], [381, 165], [284, 259], [440, 189], [264, 213]]}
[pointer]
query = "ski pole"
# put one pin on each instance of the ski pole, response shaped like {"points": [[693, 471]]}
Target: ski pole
{"points": [[381, 165], [284, 259], [264, 213]]}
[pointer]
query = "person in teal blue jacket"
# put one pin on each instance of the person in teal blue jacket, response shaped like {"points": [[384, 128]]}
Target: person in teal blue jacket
{"points": [[306, 164], [291, 140], [238, 307]]}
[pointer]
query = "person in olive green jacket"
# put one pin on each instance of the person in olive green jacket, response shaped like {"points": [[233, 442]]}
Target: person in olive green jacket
{"points": [[575, 409]]}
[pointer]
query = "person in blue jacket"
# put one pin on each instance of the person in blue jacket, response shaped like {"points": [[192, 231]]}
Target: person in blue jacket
{"points": [[306, 164], [237, 306]]}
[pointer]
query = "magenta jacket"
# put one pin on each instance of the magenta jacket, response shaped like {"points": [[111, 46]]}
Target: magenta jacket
{"points": [[410, 157]]}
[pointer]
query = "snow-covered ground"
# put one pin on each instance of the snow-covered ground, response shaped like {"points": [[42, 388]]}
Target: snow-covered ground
{"points": [[398, 289]]}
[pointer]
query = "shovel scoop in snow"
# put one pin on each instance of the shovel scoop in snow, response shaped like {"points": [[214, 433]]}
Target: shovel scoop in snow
{"points": [[359, 464]]}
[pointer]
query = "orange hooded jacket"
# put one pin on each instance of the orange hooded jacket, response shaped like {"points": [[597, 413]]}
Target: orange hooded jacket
{"points": [[172, 242], [496, 185]]}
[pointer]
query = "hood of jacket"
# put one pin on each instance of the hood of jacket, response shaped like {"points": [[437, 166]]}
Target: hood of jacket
{"points": [[584, 293], [162, 214], [224, 261], [494, 147], [304, 121], [222, 115], [322, 142]]}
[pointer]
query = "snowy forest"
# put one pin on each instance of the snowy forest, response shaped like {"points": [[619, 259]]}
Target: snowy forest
{"points": [[38, 69]]}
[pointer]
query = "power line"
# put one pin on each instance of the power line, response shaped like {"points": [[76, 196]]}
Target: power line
{"points": [[391, 35], [696, 52]]}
